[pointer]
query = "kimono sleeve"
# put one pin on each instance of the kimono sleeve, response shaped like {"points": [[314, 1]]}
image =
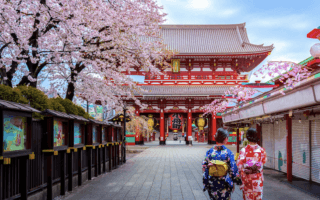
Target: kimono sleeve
{"points": [[241, 160], [263, 156], [205, 170], [234, 173]]}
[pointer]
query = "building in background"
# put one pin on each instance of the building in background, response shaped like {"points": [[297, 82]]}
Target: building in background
{"points": [[211, 59]]}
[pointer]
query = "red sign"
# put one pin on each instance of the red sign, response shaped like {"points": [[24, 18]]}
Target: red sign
{"points": [[175, 122]]}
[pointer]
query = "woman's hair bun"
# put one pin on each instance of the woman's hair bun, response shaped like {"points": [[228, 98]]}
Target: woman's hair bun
{"points": [[221, 135], [252, 135]]}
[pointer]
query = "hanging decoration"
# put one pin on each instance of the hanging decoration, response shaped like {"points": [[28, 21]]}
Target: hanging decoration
{"points": [[175, 122]]}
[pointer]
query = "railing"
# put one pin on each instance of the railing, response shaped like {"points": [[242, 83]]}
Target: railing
{"points": [[195, 77], [37, 168]]}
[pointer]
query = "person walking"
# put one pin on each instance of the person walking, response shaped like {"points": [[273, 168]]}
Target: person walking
{"points": [[220, 171], [250, 164]]}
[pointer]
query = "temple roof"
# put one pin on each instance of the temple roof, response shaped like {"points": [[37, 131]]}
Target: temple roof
{"points": [[184, 90], [210, 39]]}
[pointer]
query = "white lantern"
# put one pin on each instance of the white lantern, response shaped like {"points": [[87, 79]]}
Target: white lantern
{"points": [[315, 50], [241, 94]]}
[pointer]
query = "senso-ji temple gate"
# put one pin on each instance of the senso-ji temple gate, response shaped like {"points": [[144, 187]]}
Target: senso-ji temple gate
{"points": [[211, 58]]}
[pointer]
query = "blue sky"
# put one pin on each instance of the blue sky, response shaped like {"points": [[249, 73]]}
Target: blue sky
{"points": [[283, 23]]}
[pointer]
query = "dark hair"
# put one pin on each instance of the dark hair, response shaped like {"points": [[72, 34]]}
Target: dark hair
{"points": [[252, 135], [221, 135]]}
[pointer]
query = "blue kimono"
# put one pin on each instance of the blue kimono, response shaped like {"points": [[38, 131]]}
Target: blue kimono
{"points": [[220, 187]]}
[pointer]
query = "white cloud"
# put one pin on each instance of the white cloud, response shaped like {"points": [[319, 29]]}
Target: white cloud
{"points": [[199, 4], [297, 22], [227, 12]]}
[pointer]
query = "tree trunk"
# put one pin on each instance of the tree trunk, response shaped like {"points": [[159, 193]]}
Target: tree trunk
{"points": [[25, 81], [71, 89], [9, 74]]}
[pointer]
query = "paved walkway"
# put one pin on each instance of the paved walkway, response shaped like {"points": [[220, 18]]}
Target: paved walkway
{"points": [[167, 172]]}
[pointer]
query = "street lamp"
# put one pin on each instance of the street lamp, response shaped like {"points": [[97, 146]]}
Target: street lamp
{"points": [[124, 129]]}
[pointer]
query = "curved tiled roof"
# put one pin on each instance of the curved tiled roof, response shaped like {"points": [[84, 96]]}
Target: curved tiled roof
{"points": [[185, 90], [210, 39]]}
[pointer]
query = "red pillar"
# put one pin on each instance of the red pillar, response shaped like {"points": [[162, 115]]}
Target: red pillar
{"points": [[162, 136], [259, 128], [289, 148], [214, 129], [238, 146], [189, 132]]}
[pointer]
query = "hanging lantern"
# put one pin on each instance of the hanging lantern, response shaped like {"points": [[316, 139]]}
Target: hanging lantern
{"points": [[175, 122], [201, 122], [241, 94], [315, 50]]}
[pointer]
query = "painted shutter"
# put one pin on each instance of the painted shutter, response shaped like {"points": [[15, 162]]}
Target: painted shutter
{"points": [[280, 146], [268, 143], [315, 150], [300, 149]]}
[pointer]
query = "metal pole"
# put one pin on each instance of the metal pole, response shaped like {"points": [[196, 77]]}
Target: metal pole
{"points": [[87, 107]]}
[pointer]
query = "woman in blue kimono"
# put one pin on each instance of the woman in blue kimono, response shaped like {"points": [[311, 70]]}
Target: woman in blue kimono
{"points": [[220, 187]]}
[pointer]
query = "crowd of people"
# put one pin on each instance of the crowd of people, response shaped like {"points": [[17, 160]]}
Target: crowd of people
{"points": [[221, 172]]}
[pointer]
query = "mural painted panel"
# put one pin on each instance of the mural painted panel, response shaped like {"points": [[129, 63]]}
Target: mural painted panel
{"points": [[59, 138], [77, 133], [94, 134], [14, 133]]}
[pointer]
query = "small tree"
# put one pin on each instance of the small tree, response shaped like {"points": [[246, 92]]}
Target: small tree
{"points": [[8, 94], [36, 98]]}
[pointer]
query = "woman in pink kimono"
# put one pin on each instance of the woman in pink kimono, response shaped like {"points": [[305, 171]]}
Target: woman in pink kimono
{"points": [[250, 164]]}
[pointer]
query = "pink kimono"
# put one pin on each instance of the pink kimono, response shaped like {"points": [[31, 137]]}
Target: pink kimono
{"points": [[252, 186]]}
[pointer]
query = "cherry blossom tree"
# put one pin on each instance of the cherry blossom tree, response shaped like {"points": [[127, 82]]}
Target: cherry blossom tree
{"points": [[216, 106], [288, 73], [33, 35], [236, 94], [241, 93], [86, 45]]}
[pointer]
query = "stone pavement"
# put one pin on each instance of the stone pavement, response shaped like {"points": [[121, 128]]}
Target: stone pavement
{"points": [[167, 172]]}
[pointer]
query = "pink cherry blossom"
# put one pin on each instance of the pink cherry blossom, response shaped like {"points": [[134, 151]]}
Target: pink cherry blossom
{"points": [[89, 44], [289, 73]]}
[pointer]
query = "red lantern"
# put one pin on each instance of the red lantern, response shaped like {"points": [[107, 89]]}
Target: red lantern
{"points": [[175, 122]]}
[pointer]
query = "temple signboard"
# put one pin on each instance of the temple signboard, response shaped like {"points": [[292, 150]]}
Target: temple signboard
{"points": [[175, 65]]}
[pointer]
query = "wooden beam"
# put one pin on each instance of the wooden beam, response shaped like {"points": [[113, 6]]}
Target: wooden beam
{"points": [[89, 156], [24, 178], [110, 157], [96, 163], [49, 175], [63, 173], [104, 160], [79, 167], [70, 170]]}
